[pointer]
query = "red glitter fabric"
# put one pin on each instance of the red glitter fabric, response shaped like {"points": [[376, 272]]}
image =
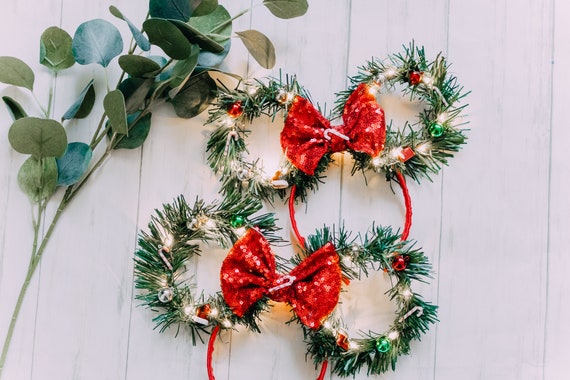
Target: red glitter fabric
{"points": [[312, 288], [303, 137]]}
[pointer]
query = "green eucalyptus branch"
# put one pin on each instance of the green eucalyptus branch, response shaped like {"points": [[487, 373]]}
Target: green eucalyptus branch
{"points": [[54, 162]]}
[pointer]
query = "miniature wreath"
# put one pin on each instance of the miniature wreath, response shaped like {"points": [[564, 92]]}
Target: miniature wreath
{"points": [[312, 289], [173, 238], [308, 139], [379, 249]]}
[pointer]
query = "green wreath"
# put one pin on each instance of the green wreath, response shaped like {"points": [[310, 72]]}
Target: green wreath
{"points": [[383, 250], [173, 238], [417, 149]]}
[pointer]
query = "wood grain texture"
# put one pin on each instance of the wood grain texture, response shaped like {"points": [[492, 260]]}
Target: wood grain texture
{"points": [[494, 223]]}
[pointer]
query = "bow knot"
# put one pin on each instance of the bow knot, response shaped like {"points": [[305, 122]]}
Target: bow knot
{"points": [[249, 273], [307, 135]]}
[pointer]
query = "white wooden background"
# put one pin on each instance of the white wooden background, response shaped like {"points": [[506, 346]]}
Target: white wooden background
{"points": [[495, 223]]}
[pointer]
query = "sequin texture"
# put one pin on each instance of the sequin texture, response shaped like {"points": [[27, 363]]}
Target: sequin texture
{"points": [[303, 136], [248, 273]]}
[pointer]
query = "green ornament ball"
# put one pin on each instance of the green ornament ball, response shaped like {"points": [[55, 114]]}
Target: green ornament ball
{"points": [[436, 130], [237, 221], [383, 344]]}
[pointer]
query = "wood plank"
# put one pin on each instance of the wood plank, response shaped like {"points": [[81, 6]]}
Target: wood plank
{"points": [[379, 30], [316, 55], [85, 293], [494, 238], [174, 163], [21, 31], [557, 331]]}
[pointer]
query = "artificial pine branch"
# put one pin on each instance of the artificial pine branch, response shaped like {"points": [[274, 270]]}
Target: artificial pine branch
{"points": [[173, 237]]}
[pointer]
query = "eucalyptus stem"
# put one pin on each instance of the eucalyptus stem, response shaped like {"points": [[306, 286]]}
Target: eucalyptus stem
{"points": [[44, 111], [34, 261], [96, 138], [229, 21], [50, 96]]}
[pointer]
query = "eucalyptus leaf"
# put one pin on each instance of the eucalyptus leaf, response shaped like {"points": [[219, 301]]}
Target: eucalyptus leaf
{"points": [[38, 137], [287, 8], [194, 36], [211, 60], [114, 105], [96, 41], [196, 95], [168, 37], [83, 105], [135, 92], [205, 8], [158, 90], [55, 49], [73, 164], [16, 72], [38, 178], [140, 39], [14, 107], [259, 46], [182, 69], [216, 25], [165, 73], [138, 132], [138, 66], [170, 9]]}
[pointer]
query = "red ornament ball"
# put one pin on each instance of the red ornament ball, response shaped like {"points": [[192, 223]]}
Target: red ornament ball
{"points": [[204, 311], [415, 77], [342, 341], [399, 263], [235, 110]]}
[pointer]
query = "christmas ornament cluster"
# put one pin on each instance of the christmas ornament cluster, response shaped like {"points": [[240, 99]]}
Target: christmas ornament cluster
{"points": [[324, 263]]}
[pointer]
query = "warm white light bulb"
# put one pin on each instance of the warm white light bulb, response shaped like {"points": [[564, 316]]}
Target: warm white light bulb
{"points": [[393, 335], [352, 345], [373, 89], [390, 72], [396, 152], [376, 162], [424, 148], [346, 260], [189, 310], [168, 240], [407, 293], [427, 80]]}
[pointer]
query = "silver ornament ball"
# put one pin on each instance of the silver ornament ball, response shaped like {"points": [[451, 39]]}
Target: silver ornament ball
{"points": [[165, 295]]}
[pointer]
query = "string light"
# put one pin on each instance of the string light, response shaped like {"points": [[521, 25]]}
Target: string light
{"points": [[347, 260], [393, 335], [396, 152], [227, 323], [427, 80], [442, 117], [374, 88], [377, 162], [390, 72], [352, 345], [189, 309], [240, 231], [407, 293], [424, 148]]}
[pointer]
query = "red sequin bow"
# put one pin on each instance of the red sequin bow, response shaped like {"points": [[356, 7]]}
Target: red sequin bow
{"points": [[312, 288], [307, 135]]}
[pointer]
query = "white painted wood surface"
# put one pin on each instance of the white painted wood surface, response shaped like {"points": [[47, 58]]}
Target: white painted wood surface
{"points": [[495, 223]]}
